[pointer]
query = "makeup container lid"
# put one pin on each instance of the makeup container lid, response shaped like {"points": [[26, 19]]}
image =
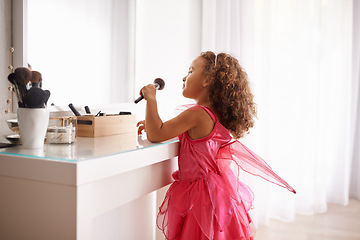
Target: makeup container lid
{"points": [[56, 129]]}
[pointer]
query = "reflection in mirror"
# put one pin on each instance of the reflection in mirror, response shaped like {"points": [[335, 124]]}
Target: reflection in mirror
{"points": [[84, 49]]}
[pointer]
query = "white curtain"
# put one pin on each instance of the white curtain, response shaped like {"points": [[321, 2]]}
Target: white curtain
{"points": [[302, 58]]}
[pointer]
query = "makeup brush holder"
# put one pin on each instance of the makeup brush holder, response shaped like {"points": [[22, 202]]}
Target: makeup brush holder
{"points": [[33, 123], [91, 126]]}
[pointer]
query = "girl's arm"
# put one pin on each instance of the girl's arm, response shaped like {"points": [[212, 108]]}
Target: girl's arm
{"points": [[156, 129]]}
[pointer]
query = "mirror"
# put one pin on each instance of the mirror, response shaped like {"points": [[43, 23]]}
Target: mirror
{"points": [[152, 39], [84, 49]]}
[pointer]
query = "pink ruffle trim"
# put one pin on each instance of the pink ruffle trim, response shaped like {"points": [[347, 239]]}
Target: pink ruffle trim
{"points": [[206, 206]]}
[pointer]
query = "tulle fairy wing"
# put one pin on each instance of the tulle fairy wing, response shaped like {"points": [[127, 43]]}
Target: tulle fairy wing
{"points": [[248, 161]]}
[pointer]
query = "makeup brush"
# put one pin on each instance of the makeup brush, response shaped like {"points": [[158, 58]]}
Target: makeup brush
{"points": [[47, 96], [11, 79], [35, 98], [22, 77], [73, 109], [36, 79]]}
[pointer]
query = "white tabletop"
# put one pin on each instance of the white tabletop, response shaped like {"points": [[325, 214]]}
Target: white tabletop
{"points": [[85, 160], [85, 148]]}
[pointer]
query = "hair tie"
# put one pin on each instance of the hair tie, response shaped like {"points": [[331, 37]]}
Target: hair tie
{"points": [[215, 59]]}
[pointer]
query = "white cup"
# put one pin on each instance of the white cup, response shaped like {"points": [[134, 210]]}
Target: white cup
{"points": [[33, 123]]}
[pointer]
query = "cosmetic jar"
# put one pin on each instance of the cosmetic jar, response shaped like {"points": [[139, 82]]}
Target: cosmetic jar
{"points": [[61, 130]]}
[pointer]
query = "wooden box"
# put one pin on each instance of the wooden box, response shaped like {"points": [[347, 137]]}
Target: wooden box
{"points": [[91, 126]]}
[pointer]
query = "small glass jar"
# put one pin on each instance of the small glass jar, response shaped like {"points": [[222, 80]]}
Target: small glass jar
{"points": [[61, 130]]}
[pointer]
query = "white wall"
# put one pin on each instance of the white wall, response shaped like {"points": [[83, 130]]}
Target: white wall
{"points": [[5, 44], [170, 55]]}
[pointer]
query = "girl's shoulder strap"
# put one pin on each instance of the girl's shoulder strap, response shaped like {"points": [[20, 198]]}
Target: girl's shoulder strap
{"points": [[197, 107], [209, 111]]}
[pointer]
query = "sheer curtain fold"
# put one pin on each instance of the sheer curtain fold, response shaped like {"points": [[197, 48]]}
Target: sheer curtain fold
{"points": [[298, 55]]}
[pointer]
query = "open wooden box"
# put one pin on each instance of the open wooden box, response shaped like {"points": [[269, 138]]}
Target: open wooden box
{"points": [[91, 126]]}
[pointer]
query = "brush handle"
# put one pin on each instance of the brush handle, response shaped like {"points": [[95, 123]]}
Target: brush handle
{"points": [[36, 84], [87, 110], [71, 106], [139, 99]]}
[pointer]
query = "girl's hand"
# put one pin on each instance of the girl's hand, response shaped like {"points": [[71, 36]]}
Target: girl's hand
{"points": [[149, 92], [141, 126]]}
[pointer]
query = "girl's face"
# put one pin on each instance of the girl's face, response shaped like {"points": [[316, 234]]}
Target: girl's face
{"points": [[194, 82]]}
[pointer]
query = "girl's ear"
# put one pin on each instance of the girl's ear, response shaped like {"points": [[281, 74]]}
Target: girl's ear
{"points": [[206, 82]]}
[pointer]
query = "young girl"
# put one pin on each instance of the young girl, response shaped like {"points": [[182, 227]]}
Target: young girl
{"points": [[206, 200]]}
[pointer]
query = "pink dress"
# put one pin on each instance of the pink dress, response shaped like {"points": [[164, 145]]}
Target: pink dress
{"points": [[206, 200]]}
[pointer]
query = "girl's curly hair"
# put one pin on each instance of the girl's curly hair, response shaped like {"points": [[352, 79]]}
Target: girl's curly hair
{"points": [[230, 93]]}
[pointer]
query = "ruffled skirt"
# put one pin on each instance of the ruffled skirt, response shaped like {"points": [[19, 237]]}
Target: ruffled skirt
{"points": [[212, 207], [215, 206]]}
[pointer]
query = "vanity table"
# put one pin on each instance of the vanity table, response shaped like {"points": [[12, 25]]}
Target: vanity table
{"points": [[95, 188]]}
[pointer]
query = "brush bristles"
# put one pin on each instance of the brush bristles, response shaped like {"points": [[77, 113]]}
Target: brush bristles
{"points": [[30, 97], [36, 76], [160, 82], [22, 76]]}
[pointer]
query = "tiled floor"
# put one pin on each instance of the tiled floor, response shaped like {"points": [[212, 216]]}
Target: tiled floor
{"points": [[338, 223]]}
